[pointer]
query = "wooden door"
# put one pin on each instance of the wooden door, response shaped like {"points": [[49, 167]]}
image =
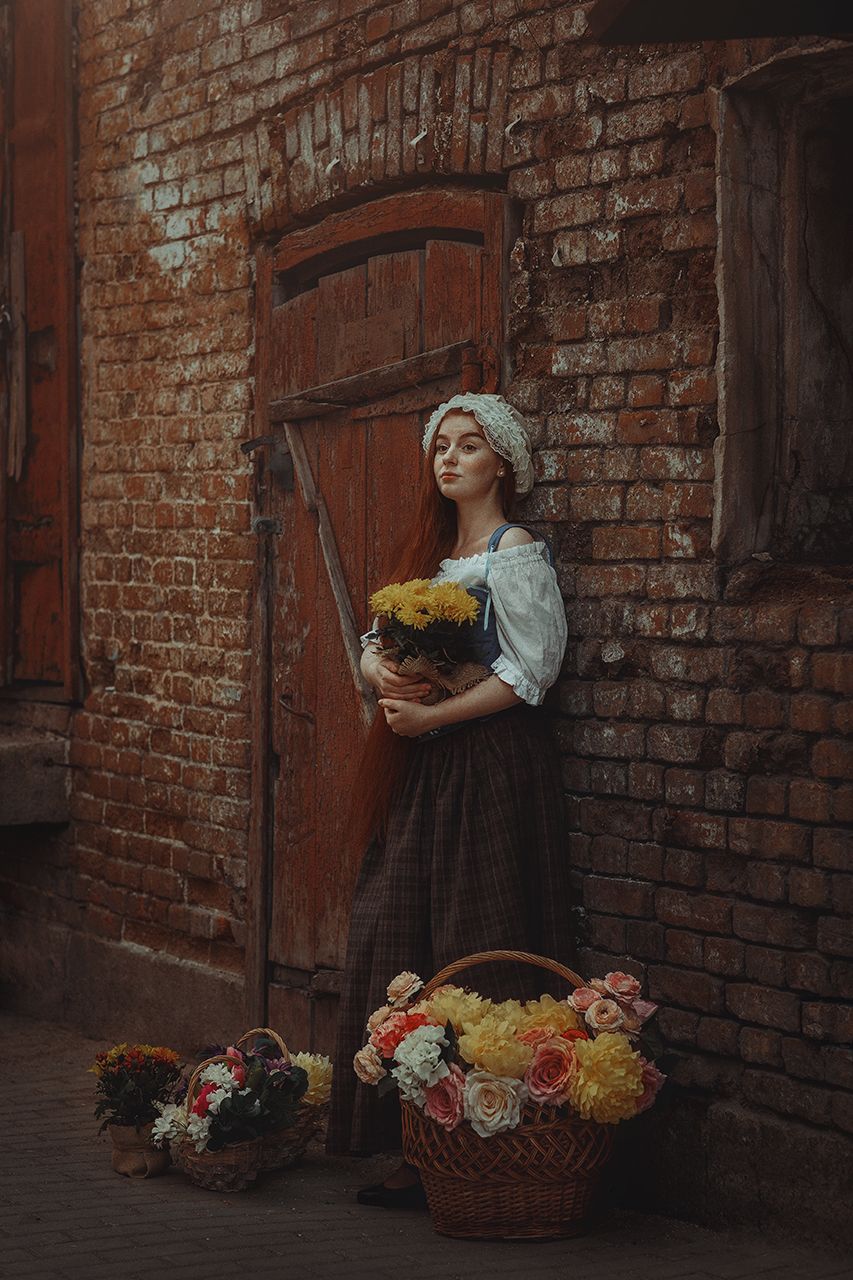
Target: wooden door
{"points": [[38, 411], [358, 353]]}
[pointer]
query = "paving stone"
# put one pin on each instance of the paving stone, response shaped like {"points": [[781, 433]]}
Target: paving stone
{"points": [[64, 1215]]}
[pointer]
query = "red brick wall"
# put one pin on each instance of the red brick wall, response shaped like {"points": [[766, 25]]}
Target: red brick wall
{"points": [[703, 713]]}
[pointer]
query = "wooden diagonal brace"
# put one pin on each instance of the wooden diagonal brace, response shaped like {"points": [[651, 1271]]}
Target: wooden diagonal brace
{"points": [[316, 505]]}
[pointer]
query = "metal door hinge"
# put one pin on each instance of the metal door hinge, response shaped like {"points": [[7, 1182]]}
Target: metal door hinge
{"points": [[266, 524]]}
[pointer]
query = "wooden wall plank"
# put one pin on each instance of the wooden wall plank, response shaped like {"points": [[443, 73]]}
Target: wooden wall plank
{"points": [[394, 288], [342, 300], [451, 292]]}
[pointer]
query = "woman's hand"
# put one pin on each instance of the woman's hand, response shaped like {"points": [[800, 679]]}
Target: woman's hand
{"points": [[406, 718], [383, 674]]}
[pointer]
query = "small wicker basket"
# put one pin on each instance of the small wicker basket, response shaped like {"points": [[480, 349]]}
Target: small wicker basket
{"points": [[284, 1147], [537, 1181], [234, 1168]]}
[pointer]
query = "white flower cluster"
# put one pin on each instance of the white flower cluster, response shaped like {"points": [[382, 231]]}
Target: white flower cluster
{"points": [[170, 1125], [419, 1064], [218, 1073]]}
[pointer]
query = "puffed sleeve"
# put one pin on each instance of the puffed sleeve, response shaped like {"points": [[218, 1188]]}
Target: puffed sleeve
{"points": [[530, 617]]}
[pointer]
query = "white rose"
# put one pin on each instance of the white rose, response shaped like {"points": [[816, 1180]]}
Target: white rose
{"points": [[493, 1103], [420, 1054]]}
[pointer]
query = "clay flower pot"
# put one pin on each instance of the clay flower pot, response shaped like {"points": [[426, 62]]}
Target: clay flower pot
{"points": [[133, 1154]]}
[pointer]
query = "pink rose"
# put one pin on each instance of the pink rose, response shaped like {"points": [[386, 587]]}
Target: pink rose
{"points": [[652, 1081], [444, 1101], [549, 1075], [368, 1065], [644, 1010], [581, 999], [378, 1017], [236, 1065], [622, 986], [403, 988], [604, 1015]]}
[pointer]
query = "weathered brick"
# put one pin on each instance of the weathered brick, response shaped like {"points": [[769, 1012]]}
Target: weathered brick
{"points": [[682, 948], [789, 1097], [808, 972], [761, 838], [808, 888], [618, 896], [628, 542], [724, 956], [686, 988], [773, 925], [763, 1047], [693, 911], [833, 848], [828, 1022]]}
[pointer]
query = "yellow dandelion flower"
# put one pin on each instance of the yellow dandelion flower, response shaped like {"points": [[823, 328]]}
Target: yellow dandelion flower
{"points": [[609, 1079]]}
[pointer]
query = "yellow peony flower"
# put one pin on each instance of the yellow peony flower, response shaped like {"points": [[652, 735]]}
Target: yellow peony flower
{"points": [[319, 1071], [548, 1012], [456, 1006], [609, 1079], [510, 1011], [491, 1045]]}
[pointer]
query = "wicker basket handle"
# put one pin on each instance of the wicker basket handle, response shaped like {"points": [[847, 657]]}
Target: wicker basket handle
{"points": [[196, 1075], [485, 957], [264, 1031]]}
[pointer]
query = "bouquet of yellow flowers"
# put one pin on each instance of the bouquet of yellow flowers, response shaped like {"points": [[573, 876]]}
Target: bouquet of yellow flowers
{"points": [[428, 629]]}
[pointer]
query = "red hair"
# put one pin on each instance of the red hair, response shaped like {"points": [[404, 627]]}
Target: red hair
{"points": [[386, 754]]}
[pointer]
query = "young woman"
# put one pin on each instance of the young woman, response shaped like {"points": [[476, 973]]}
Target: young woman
{"points": [[460, 802]]}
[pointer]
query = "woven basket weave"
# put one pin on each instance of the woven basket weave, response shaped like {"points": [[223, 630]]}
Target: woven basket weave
{"points": [[233, 1168], [537, 1181]]}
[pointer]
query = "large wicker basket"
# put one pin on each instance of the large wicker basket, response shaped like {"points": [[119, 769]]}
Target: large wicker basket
{"points": [[537, 1181], [284, 1147], [233, 1168]]}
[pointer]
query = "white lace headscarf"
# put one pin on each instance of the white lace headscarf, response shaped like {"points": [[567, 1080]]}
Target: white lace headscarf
{"points": [[503, 427]]}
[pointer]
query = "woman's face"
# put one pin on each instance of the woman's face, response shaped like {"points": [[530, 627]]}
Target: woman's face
{"points": [[466, 466]]}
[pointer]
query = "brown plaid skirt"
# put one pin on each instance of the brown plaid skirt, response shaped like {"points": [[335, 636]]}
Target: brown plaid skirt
{"points": [[475, 859]]}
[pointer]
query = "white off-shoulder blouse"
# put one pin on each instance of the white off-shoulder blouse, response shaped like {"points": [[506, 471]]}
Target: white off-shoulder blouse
{"points": [[529, 614]]}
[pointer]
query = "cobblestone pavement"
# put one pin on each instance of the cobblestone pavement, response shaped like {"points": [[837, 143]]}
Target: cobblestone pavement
{"points": [[65, 1214]]}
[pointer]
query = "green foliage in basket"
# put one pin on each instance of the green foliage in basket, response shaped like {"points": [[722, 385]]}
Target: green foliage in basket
{"points": [[132, 1081]]}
